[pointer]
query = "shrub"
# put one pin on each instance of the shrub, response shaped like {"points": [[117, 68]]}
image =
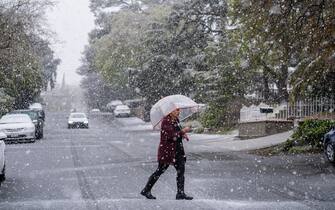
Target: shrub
{"points": [[211, 118], [310, 132], [199, 130], [6, 102], [288, 145], [219, 117]]}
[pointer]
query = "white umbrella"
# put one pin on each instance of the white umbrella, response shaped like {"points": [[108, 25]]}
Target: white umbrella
{"points": [[168, 104]]}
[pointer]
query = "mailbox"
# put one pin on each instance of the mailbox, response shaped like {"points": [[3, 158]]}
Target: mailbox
{"points": [[266, 110]]}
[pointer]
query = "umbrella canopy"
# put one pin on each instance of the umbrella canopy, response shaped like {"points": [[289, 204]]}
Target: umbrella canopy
{"points": [[168, 104]]}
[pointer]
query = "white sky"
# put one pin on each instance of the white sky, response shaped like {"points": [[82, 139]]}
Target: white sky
{"points": [[71, 20]]}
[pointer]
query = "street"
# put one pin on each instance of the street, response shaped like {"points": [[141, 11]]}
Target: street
{"points": [[106, 166]]}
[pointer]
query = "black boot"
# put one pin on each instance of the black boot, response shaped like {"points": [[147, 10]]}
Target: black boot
{"points": [[183, 196], [146, 192], [180, 189], [180, 184]]}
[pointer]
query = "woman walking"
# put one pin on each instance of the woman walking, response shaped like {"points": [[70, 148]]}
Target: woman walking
{"points": [[170, 152]]}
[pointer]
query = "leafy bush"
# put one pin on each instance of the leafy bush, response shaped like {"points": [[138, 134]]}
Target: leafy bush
{"points": [[310, 132], [288, 145], [198, 130], [6, 102], [195, 124], [303, 149], [219, 117], [211, 118]]}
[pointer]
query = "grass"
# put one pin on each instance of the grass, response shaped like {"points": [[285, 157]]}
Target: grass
{"points": [[280, 150]]}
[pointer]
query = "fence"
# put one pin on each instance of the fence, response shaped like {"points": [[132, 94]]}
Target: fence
{"points": [[308, 108], [316, 107]]}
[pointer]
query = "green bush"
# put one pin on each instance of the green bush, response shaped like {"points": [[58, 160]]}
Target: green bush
{"points": [[288, 144], [198, 130], [195, 124], [6, 102], [211, 118], [303, 149], [310, 132], [219, 117]]}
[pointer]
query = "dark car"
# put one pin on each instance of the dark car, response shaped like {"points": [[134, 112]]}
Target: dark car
{"points": [[39, 108], [329, 145], [36, 117]]}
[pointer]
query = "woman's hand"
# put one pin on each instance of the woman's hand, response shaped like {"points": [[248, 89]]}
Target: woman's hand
{"points": [[186, 129], [186, 137]]}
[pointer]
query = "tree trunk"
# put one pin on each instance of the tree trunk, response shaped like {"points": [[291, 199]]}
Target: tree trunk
{"points": [[282, 84], [266, 86]]}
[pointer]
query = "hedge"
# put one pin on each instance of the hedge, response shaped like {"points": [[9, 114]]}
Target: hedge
{"points": [[310, 132]]}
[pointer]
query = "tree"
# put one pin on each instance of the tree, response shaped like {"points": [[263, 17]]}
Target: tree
{"points": [[183, 36], [283, 35], [20, 66], [47, 60], [117, 48], [314, 75]]}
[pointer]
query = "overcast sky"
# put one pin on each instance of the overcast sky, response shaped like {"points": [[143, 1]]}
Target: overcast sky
{"points": [[71, 20]]}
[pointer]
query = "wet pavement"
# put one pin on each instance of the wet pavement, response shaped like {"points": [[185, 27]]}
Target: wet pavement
{"points": [[106, 166]]}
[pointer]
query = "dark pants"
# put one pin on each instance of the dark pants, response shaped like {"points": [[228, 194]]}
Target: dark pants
{"points": [[180, 168]]}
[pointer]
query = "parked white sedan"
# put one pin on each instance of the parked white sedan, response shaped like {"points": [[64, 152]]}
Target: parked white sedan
{"points": [[122, 111], [113, 104], [18, 127], [3, 136]]}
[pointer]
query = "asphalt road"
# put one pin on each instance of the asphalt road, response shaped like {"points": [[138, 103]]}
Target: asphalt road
{"points": [[106, 166]]}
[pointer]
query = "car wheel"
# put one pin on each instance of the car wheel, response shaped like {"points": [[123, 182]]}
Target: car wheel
{"points": [[329, 151], [38, 134], [3, 174], [68, 126], [41, 135]]}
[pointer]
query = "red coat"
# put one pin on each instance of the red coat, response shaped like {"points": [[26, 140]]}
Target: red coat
{"points": [[168, 141]]}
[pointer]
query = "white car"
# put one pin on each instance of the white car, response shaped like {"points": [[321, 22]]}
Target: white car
{"points": [[3, 136], [95, 111], [113, 104], [36, 106], [122, 111], [77, 120], [18, 127]]}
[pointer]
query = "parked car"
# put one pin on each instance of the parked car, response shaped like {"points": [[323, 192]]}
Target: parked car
{"points": [[113, 104], [77, 120], [122, 111], [95, 111], [37, 119], [36, 106], [39, 108], [18, 127], [329, 145], [3, 136]]}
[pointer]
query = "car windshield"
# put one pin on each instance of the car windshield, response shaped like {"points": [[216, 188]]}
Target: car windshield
{"points": [[14, 119], [78, 116], [32, 114], [36, 106], [122, 108], [115, 103]]}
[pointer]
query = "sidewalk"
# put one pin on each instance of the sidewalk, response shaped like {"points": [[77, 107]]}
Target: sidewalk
{"points": [[229, 143], [212, 142]]}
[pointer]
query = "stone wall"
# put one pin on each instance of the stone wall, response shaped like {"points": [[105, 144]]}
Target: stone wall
{"points": [[263, 128]]}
